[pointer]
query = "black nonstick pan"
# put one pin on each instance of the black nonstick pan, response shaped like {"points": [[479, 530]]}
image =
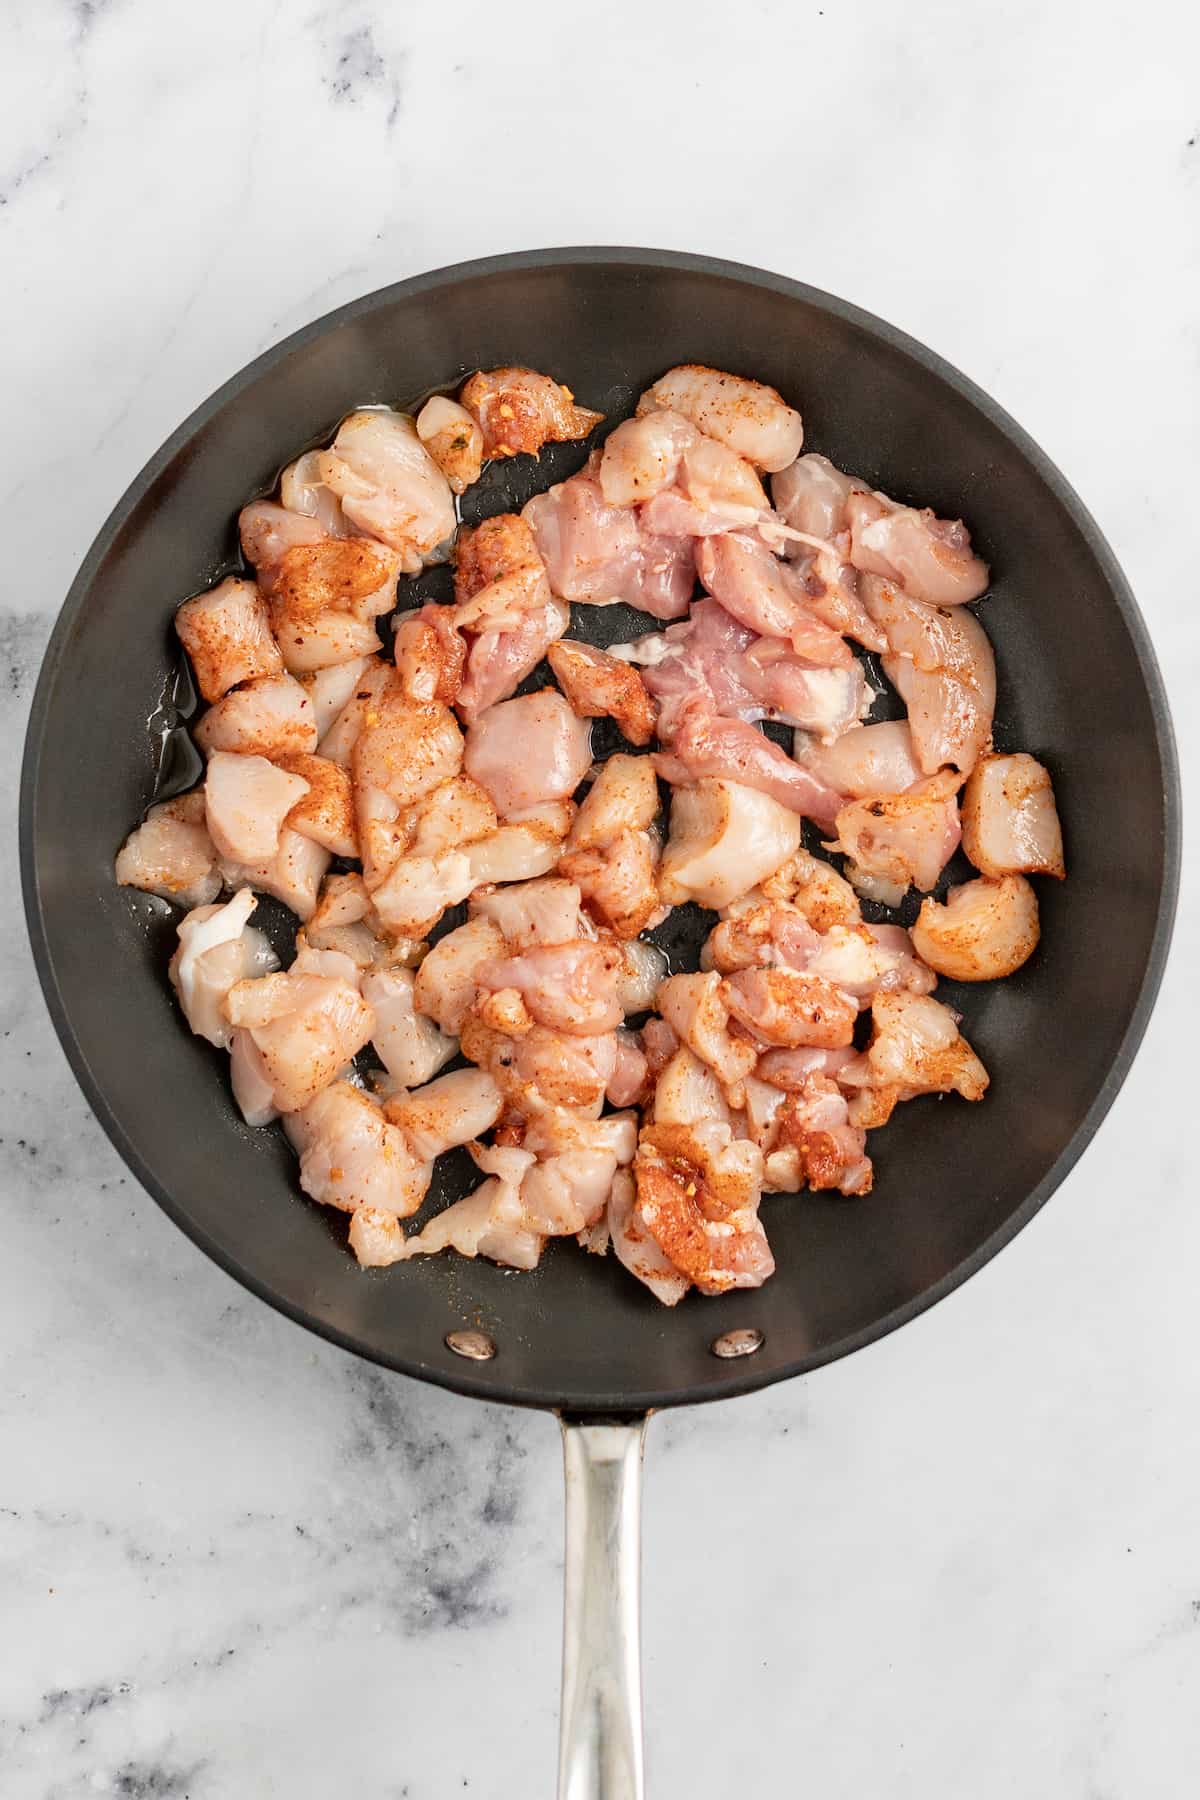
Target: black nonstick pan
{"points": [[1078, 687]]}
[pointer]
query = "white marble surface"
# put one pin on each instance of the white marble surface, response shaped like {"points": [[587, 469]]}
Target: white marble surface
{"points": [[235, 1562]]}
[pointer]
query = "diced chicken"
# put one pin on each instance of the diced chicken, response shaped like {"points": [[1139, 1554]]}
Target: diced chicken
{"points": [[453, 439], [831, 588], [331, 689], [293, 875], [338, 738], [526, 846], [724, 840], [252, 1086], [416, 891], [453, 814], [705, 747], [376, 1238], [760, 934], [637, 1249], [791, 1071], [899, 841], [810, 495], [768, 596], [830, 1150], [569, 987], [986, 929], [659, 1043], [446, 983], [518, 411], [504, 604], [490, 1222], [301, 490], [644, 967], [354, 575], [697, 1196], [326, 813], [403, 751], [227, 635], [916, 1049], [942, 665], [816, 889], [532, 912], [596, 554], [872, 759], [430, 652], [352, 1157], [389, 485], [410, 1046], [931, 558], [688, 484], [752, 419], [1009, 819], [628, 1080], [786, 1007], [864, 960], [642, 456], [272, 716], [696, 1009], [542, 1067], [305, 1028], [599, 685], [246, 801], [687, 1092], [268, 531], [327, 641], [452, 1110], [217, 946], [611, 852], [529, 750], [345, 920], [171, 853]]}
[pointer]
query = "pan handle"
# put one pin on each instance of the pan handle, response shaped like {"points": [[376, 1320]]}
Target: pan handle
{"points": [[600, 1742]]}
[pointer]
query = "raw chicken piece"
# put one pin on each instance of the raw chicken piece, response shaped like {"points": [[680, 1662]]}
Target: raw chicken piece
{"points": [[252, 1088], [642, 456], [637, 984], [597, 685], [340, 575], [811, 495], [931, 558], [942, 664], [637, 1249], [986, 929], [528, 750], [696, 1009], [899, 841], [611, 853], [431, 654], [326, 813], [389, 485], [227, 636], [327, 641], [830, 586], [916, 1049], [686, 1092], [690, 485], [628, 1080], [527, 846], [872, 759], [453, 439], [569, 987], [171, 853], [490, 1222], [724, 840], [786, 689], [293, 875], [519, 410], [542, 1067], [351, 1157], [532, 912], [1009, 819], [305, 1029], [751, 418], [831, 1152], [268, 531], [410, 1046], [768, 596], [338, 739], [815, 887], [596, 554], [451, 1110], [301, 490], [454, 813], [659, 1043], [345, 920], [783, 1006], [446, 982], [246, 802], [758, 934], [332, 688], [217, 946], [403, 751], [697, 1196], [272, 716], [504, 603], [376, 1238], [791, 1071], [864, 960], [706, 747], [623, 797], [416, 891]]}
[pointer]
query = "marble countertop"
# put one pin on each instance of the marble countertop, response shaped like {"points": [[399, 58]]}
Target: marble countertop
{"points": [[234, 1561]]}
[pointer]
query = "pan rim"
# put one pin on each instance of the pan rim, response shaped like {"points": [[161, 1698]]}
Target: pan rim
{"points": [[467, 1379]]}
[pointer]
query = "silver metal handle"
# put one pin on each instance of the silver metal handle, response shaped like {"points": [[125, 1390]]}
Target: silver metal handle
{"points": [[600, 1743]]}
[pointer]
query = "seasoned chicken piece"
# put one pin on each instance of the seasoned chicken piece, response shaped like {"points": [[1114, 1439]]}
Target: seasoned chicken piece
{"points": [[706, 747], [1009, 819], [942, 665], [252, 1087], [345, 920], [527, 751], [446, 983], [611, 853], [810, 495], [542, 1067], [899, 841], [637, 1249], [642, 457], [659, 1043], [791, 1071], [416, 891], [268, 531], [171, 853], [916, 1048], [644, 967], [376, 1238], [786, 1007], [227, 636], [339, 736], [769, 597], [431, 654], [343, 575], [293, 875], [864, 960], [599, 685], [217, 946], [872, 759], [831, 587], [491, 1222], [504, 604], [410, 1046], [688, 484], [759, 934], [815, 887], [697, 1196], [686, 1091], [453, 439], [272, 716], [630, 1077], [931, 558], [986, 929], [351, 1157], [326, 813], [327, 641], [569, 987], [246, 802], [531, 912], [696, 1008], [304, 1028], [331, 689], [724, 840], [830, 1151], [751, 418], [455, 813], [528, 845], [403, 751], [518, 411], [452, 1110], [389, 485], [301, 490], [597, 555]]}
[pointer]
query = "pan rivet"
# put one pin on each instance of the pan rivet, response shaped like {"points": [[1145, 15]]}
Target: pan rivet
{"points": [[746, 1342], [474, 1344]]}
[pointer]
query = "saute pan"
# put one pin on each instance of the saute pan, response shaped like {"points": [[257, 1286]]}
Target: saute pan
{"points": [[1077, 686]]}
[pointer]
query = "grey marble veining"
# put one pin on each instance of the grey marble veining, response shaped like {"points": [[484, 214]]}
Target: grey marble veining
{"points": [[233, 1561]]}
